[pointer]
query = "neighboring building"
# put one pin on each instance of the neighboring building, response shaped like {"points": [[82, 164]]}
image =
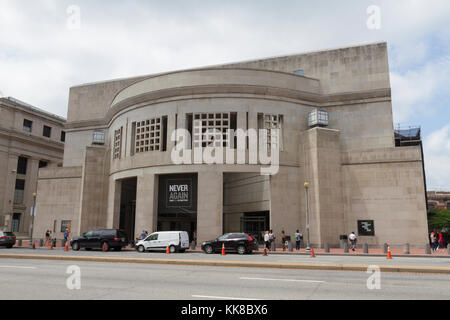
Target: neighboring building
{"points": [[30, 139], [438, 200], [333, 109]]}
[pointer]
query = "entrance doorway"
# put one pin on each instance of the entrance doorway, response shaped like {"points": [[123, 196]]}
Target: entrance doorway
{"points": [[128, 206], [255, 224], [177, 203], [16, 222]]}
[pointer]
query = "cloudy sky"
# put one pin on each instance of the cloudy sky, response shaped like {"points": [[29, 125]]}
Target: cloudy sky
{"points": [[48, 46]]}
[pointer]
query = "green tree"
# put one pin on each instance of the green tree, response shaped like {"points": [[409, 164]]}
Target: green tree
{"points": [[438, 219]]}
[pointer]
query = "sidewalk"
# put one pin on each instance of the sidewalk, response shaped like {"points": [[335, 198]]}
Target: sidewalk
{"points": [[441, 253]]}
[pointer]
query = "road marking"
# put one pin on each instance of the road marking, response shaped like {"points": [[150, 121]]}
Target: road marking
{"points": [[17, 267], [289, 280], [223, 298]]}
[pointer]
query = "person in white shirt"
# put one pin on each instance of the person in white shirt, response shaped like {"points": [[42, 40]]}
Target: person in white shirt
{"points": [[267, 240], [352, 238]]}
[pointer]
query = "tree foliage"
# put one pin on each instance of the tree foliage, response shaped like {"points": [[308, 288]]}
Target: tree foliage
{"points": [[438, 219]]}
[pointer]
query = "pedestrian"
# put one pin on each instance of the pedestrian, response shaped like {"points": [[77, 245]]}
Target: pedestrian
{"points": [[272, 240], [441, 241], [66, 235], [194, 237], [47, 235], [433, 241], [298, 239], [267, 240], [352, 238], [283, 240], [143, 235]]}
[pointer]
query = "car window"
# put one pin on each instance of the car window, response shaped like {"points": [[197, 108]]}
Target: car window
{"points": [[152, 237], [88, 234], [224, 237], [9, 234], [237, 236]]}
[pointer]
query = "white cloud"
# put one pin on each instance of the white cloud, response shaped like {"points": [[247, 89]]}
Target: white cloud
{"points": [[437, 159]]}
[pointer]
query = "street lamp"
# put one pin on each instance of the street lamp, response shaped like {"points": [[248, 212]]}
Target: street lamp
{"points": [[308, 247], [33, 213]]}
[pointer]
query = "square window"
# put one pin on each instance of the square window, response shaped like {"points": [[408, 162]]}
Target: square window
{"points": [[47, 131], [27, 125]]}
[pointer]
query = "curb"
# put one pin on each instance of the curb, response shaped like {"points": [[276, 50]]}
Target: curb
{"points": [[242, 264]]}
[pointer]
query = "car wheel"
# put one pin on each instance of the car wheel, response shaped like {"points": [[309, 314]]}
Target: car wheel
{"points": [[241, 250], [172, 249], [75, 246], [208, 249], [141, 249]]}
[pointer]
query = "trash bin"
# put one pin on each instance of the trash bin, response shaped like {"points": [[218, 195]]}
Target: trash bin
{"points": [[343, 240]]}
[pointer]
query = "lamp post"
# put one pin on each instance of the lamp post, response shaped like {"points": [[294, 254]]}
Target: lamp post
{"points": [[308, 247], [33, 213]]}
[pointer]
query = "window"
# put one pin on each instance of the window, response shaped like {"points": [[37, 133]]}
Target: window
{"points": [[212, 129], [65, 224], [27, 125], [98, 137], [22, 165], [149, 135], [16, 222], [43, 164], [19, 191], [271, 122], [448, 205], [117, 143], [63, 136], [47, 132], [152, 237]]}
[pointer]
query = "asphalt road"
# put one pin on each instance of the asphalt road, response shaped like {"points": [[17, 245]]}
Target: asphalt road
{"points": [[41, 279], [322, 259]]}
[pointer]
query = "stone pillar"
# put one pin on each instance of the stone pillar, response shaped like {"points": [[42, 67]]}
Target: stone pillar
{"points": [[209, 205], [113, 214], [146, 204]]}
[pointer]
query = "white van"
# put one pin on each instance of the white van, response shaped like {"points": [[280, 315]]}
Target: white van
{"points": [[178, 241]]}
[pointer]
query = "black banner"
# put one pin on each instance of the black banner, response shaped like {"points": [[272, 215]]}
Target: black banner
{"points": [[177, 195]]}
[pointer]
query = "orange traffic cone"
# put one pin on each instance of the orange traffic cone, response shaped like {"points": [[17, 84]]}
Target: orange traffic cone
{"points": [[34, 245], [223, 249], [67, 246], [167, 250], [51, 245], [389, 256], [312, 253], [104, 247]]}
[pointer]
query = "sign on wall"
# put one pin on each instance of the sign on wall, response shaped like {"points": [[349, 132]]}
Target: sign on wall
{"points": [[366, 228], [179, 192], [177, 195]]}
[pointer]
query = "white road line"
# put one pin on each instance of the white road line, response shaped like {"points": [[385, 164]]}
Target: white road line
{"points": [[290, 280], [223, 298], [18, 267]]}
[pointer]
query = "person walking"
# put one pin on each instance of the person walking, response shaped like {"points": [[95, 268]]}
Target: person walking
{"points": [[283, 240], [298, 239], [143, 235], [433, 241], [441, 241], [272, 240], [47, 235], [352, 238], [267, 240]]}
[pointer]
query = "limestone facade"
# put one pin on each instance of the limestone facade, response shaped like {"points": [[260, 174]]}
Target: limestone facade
{"points": [[356, 173]]}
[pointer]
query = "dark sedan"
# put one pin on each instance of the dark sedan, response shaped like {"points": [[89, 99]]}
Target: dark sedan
{"points": [[234, 242], [7, 239], [100, 239]]}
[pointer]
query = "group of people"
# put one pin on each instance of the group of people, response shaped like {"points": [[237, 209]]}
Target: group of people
{"points": [[269, 240], [437, 240]]}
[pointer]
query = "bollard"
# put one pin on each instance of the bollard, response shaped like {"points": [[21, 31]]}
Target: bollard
{"points": [[428, 249], [326, 248], [63, 243], [385, 248], [54, 243], [272, 245], [365, 248], [346, 247], [41, 242], [192, 245], [20, 243], [448, 249], [406, 249], [290, 246]]}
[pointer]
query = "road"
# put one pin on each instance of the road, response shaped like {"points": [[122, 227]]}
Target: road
{"points": [[42, 279]]}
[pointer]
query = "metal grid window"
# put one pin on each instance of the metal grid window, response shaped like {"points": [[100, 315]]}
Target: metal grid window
{"points": [[148, 135], [271, 122], [117, 143], [211, 129]]}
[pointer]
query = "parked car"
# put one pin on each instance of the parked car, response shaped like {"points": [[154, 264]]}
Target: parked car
{"points": [[96, 239], [234, 242], [177, 241], [7, 239]]}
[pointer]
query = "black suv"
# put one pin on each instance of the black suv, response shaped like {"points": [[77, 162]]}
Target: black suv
{"points": [[7, 239], [234, 242], [99, 239]]}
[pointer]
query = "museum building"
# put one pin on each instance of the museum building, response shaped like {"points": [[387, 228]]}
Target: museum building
{"points": [[330, 110]]}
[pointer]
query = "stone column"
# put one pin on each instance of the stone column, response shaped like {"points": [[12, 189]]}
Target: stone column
{"points": [[209, 205], [113, 213], [146, 204]]}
